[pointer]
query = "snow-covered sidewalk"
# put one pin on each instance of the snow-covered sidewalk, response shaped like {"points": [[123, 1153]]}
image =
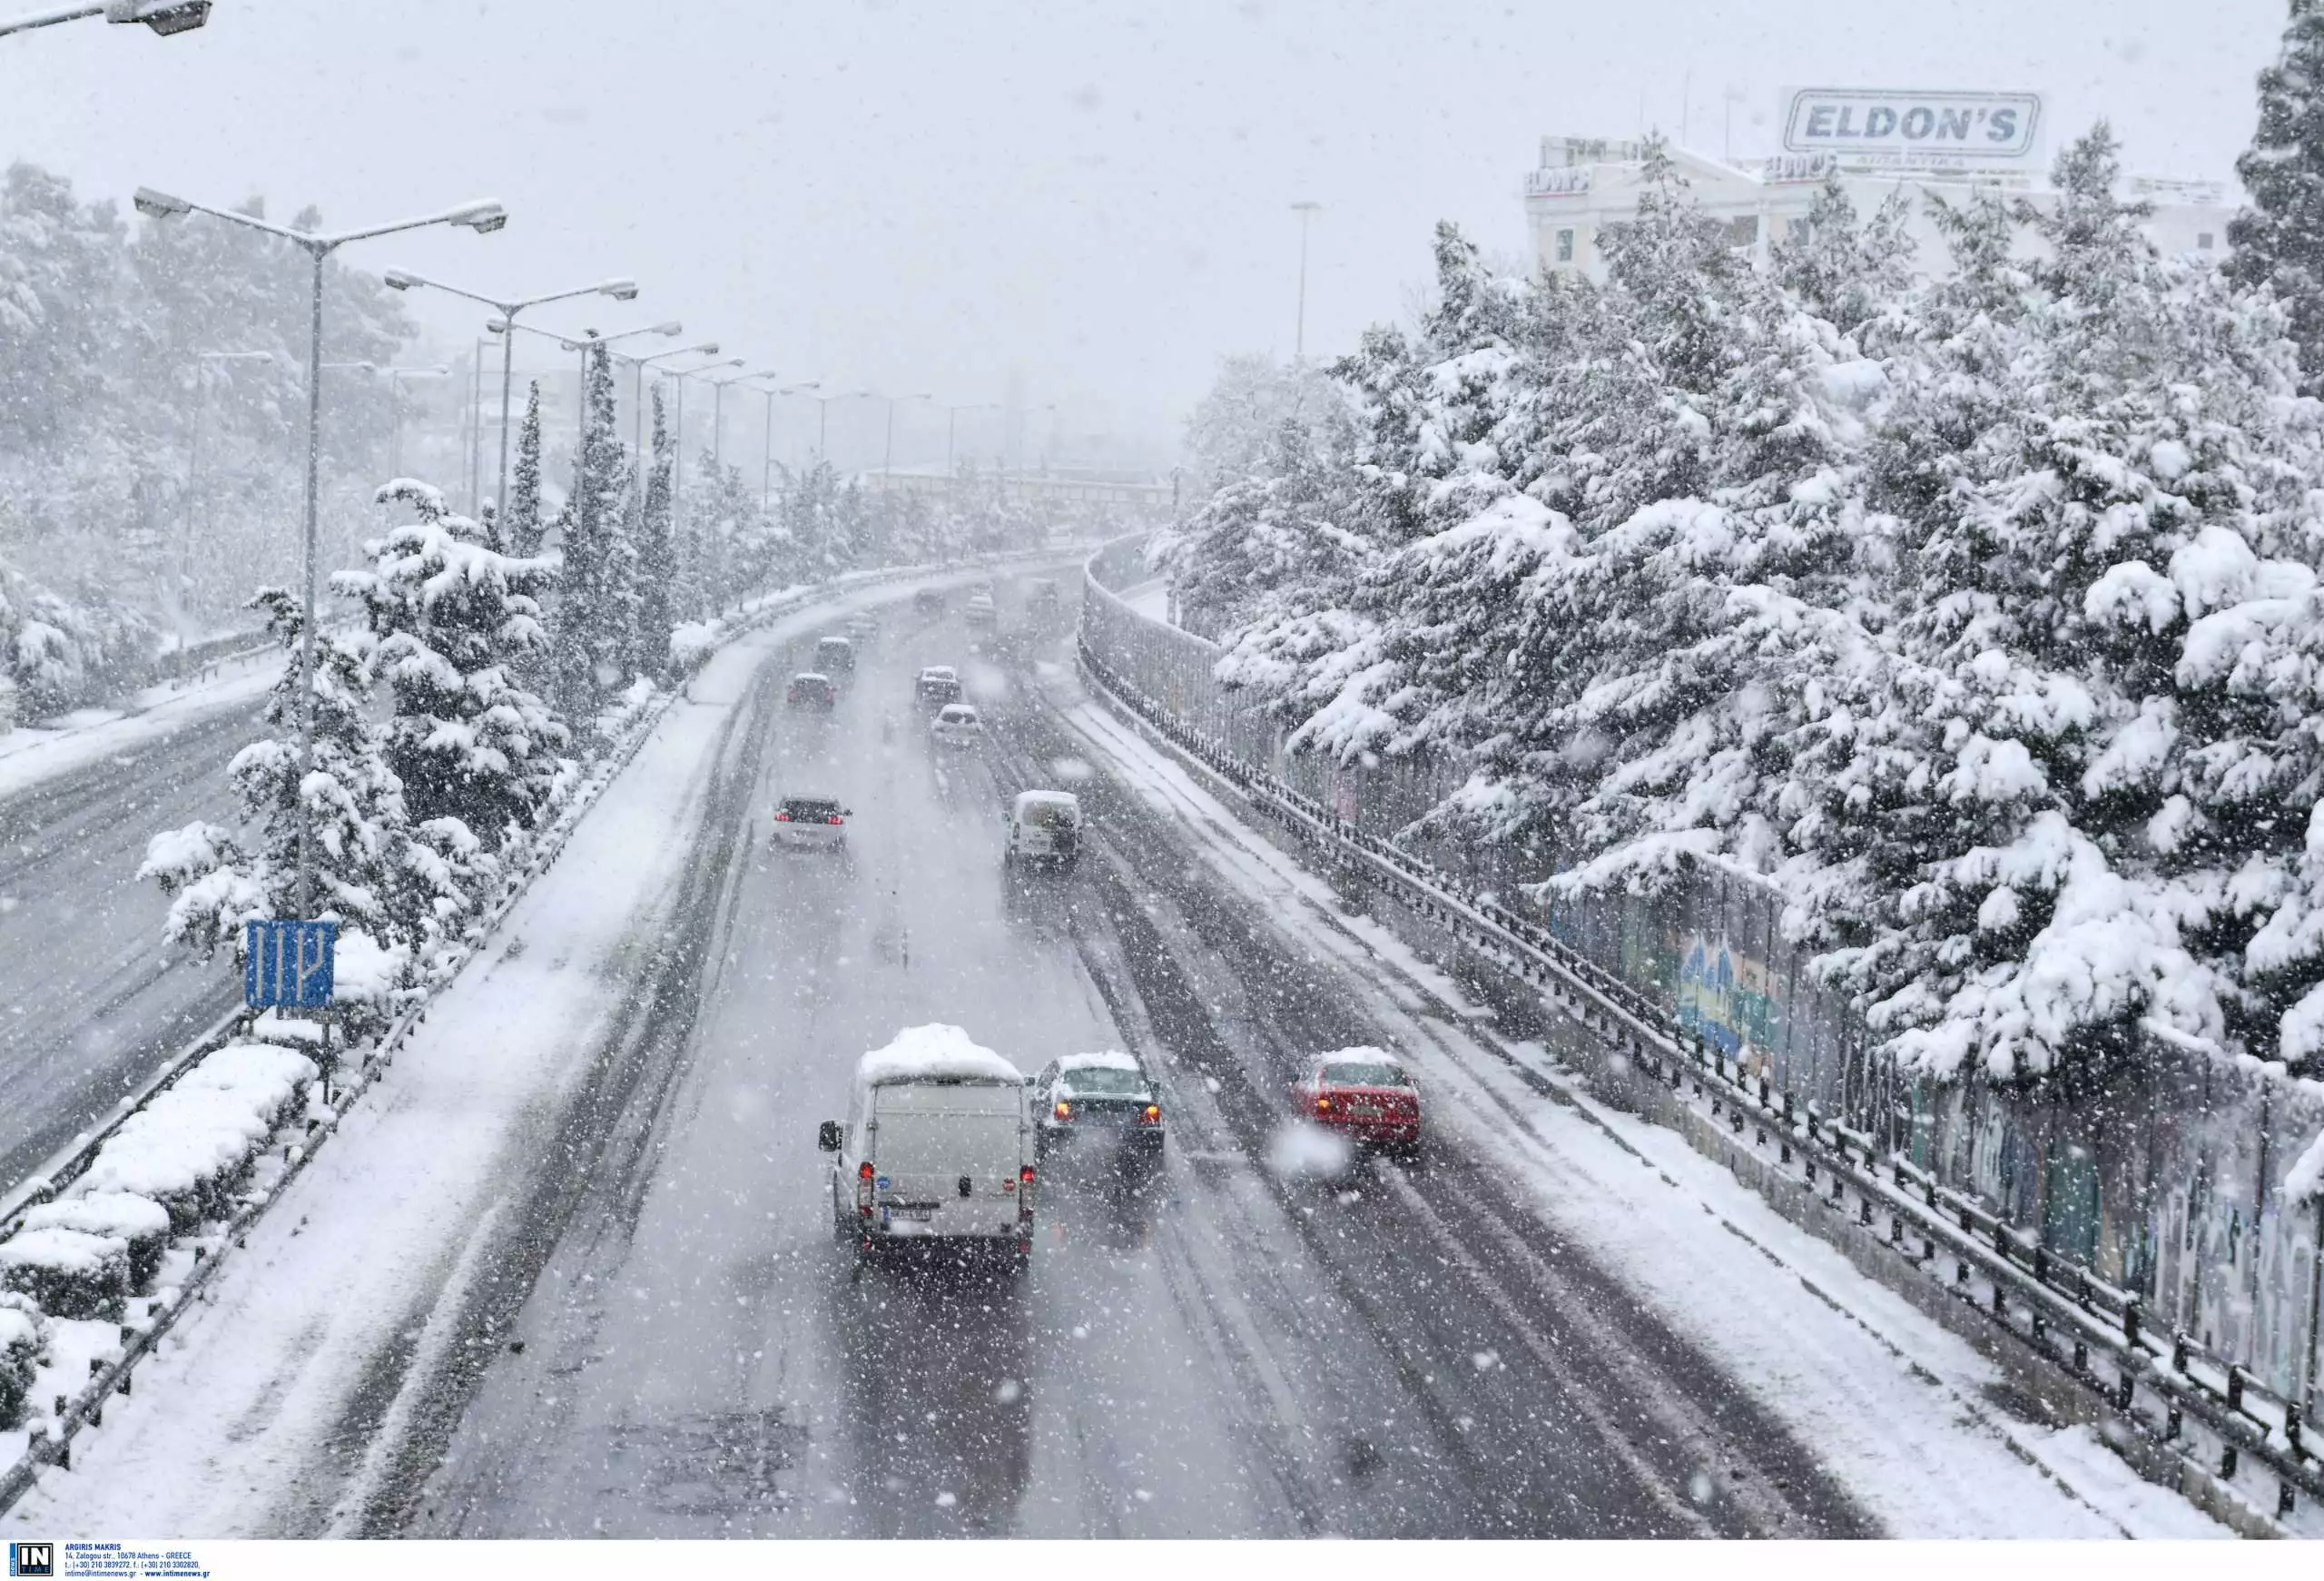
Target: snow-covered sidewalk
{"points": [[30, 754], [1905, 1411]]}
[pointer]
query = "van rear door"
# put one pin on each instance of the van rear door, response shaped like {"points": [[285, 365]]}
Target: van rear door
{"points": [[947, 1158]]}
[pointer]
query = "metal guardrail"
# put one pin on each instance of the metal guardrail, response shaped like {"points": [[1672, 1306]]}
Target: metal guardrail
{"points": [[2156, 1378], [110, 1376]]}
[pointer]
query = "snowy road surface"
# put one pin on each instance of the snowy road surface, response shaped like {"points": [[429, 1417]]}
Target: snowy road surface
{"points": [[89, 1002], [577, 1275]]}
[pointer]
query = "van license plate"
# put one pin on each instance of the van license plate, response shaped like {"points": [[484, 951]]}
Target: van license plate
{"points": [[913, 1213]]}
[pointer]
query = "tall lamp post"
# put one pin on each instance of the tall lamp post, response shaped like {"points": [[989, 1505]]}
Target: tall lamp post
{"points": [[480, 216], [766, 441], [823, 409], [620, 290], [718, 409], [586, 341], [638, 369], [888, 455], [1306, 210], [193, 470], [396, 376], [952, 418], [678, 427], [166, 17]]}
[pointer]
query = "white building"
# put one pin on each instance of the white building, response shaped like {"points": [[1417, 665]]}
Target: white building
{"points": [[1583, 184]]}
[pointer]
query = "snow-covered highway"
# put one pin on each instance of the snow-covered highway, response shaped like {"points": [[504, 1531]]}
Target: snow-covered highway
{"points": [[607, 1301]]}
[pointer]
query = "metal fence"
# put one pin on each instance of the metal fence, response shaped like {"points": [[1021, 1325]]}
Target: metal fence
{"points": [[2162, 1177]]}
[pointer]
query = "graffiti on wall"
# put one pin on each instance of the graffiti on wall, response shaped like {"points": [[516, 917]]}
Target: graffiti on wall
{"points": [[1725, 997]]}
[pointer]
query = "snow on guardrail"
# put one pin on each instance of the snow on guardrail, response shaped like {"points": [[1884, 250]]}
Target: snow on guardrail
{"points": [[2157, 1380], [109, 1243]]}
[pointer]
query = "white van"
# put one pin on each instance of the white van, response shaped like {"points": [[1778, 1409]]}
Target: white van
{"points": [[1044, 826], [937, 1147]]}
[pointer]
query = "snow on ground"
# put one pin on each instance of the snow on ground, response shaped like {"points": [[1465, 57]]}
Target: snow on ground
{"points": [[1901, 1405], [1150, 598], [31, 754], [370, 1245]]}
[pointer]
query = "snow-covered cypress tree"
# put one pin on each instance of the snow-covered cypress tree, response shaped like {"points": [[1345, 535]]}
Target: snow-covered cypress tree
{"points": [[589, 642], [524, 529], [656, 557], [2278, 240], [451, 618]]}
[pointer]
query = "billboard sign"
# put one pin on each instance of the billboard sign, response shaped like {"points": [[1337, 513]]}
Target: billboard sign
{"points": [[1875, 128]]}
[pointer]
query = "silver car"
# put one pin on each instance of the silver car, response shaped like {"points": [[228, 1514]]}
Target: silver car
{"points": [[811, 823]]}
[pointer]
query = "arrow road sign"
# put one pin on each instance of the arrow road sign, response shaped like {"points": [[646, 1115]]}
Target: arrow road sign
{"points": [[287, 966]]}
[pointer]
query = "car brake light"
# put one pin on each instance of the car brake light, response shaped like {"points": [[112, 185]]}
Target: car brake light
{"points": [[1024, 1192], [863, 1189], [1323, 1106], [1065, 1110], [782, 817], [834, 818]]}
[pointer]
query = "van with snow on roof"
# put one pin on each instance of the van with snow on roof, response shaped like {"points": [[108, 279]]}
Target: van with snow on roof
{"points": [[936, 1150]]}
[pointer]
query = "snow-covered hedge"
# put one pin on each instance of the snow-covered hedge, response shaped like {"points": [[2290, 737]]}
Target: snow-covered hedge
{"points": [[191, 1146], [23, 1349], [68, 1273], [140, 1224]]}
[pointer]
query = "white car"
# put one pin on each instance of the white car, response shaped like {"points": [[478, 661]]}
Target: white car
{"points": [[811, 823], [937, 1147], [981, 610], [1044, 827], [957, 725]]}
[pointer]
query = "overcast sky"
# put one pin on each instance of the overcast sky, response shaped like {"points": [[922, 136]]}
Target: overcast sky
{"points": [[922, 196]]}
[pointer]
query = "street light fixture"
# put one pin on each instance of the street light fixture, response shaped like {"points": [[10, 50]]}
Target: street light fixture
{"points": [[718, 408], [678, 430], [586, 341], [622, 289], [481, 216], [637, 371], [167, 19]]}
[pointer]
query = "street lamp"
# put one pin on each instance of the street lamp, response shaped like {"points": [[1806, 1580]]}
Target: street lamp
{"points": [[620, 290], [638, 369], [678, 428], [193, 470], [586, 341], [166, 17], [480, 216], [888, 456], [396, 376], [766, 443], [952, 417], [1306, 210], [718, 407]]}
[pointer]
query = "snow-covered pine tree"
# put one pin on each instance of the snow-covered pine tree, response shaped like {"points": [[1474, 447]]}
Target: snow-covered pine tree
{"points": [[2278, 240], [522, 537], [451, 618], [216, 884]]}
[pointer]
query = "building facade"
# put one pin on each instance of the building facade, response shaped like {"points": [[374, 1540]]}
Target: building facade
{"points": [[1583, 184]]}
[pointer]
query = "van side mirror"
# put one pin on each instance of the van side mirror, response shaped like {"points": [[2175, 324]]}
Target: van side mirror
{"points": [[827, 1136]]}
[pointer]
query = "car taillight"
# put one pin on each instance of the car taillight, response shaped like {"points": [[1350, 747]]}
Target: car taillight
{"points": [[834, 819], [863, 1189], [1153, 1115], [782, 817], [1064, 1110], [1323, 1105], [1024, 1192]]}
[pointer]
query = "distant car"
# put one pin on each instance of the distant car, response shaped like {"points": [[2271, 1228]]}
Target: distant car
{"points": [[981, 610], [1043, 597], [811, 823], [810, 690], [862, 625], [1102, 1100], [929, 600], [1044, 828], [1365, 1094], [957, 725], [937, 685], [835, 655]]}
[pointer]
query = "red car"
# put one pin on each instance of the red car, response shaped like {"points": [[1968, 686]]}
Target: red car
{"points": [[1365, 1094]]}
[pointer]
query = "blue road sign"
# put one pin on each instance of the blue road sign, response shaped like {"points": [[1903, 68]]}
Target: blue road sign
{"points": [[287, 966]]}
